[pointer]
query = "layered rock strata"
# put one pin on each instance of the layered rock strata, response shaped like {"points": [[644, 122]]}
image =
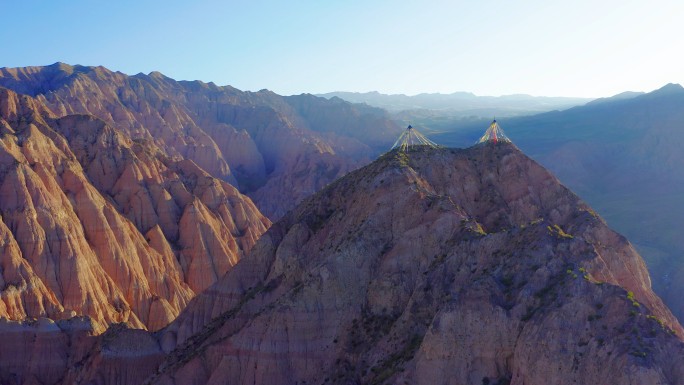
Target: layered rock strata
{"points": [[95, 224]]}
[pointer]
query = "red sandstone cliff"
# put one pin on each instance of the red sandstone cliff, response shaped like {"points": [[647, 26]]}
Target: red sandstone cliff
{"points": [[96, 224]]}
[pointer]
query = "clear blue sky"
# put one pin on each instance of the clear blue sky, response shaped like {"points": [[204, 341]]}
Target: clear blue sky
{"points": [[555, 48]]}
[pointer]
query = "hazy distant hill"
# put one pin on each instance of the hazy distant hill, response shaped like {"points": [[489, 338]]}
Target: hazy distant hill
{"points": [[621, 96], [624, 157], [460, 104]]}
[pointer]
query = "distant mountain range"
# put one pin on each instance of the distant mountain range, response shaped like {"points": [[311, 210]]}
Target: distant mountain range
{"points": [[460, 104], [624, 156]]}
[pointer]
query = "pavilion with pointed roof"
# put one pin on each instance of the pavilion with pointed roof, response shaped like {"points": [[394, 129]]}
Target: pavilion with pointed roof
{"points": [[411, 137], [494, 134]]}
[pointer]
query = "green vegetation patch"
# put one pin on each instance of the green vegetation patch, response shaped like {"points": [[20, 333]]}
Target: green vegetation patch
{"points": [[558, 232]]}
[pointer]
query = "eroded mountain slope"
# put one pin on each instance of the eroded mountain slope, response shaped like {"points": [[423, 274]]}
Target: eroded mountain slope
{"points": [[95, 224]]}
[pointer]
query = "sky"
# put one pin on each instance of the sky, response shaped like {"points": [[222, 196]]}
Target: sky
{"points": [[488, 47]]}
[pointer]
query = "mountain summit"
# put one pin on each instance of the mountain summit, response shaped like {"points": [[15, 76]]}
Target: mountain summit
{"points": [[430, 266]]}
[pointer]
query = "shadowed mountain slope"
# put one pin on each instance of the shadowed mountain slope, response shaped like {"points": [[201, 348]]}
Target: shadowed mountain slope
{"points": [[434, 266]]}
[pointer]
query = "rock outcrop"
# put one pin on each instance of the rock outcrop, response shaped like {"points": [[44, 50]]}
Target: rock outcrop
{"points": [[435, 266], [93, 223], [48, 352]]}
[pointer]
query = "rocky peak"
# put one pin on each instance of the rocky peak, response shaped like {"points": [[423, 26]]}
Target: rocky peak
{"points": [[433, 266], [671, 87]]}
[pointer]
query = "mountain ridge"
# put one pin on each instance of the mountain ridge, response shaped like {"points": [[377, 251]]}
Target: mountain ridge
{"points": [[259, 141]]}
